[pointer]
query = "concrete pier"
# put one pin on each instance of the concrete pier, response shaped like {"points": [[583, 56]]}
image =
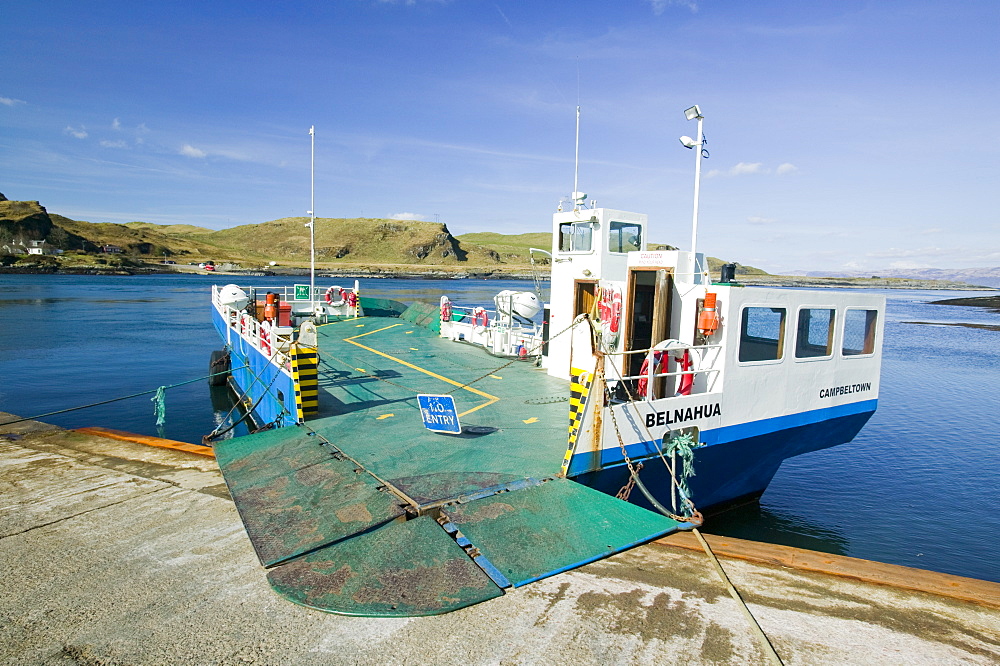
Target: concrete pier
{"points": [[115, 552]]}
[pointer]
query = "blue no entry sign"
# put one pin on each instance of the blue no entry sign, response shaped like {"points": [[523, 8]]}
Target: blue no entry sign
{"points": [[439, 413]]}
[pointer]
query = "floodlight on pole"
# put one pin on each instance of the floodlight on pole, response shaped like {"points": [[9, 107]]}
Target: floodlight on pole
{"points": [[694, 113]]}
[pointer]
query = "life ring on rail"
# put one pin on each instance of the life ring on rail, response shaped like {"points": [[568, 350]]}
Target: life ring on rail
{"points": [[335, 296], [609, 311], [479, 314], [265, 337], [643, 386], [445, 309], [688, 361]]}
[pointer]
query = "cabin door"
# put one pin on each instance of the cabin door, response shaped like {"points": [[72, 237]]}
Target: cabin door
{"points": [[648, 312], [585, 295]]}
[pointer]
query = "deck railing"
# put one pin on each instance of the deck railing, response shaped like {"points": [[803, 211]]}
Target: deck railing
{"points": [[703, 358]]}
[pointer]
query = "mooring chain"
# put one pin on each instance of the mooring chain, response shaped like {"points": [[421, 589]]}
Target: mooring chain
{"points": [[635, 469]]}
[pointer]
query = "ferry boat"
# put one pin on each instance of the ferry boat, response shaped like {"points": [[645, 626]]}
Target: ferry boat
{"points": [[422, 458]]}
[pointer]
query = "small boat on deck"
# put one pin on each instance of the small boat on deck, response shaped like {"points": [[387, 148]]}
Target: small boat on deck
{"points": [[420, 458]]}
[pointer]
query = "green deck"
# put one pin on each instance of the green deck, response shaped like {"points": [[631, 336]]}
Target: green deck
{"points": [[356, 508]]}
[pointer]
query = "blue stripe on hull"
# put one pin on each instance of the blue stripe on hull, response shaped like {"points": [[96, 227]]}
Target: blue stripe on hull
{"points": [[261, 377], [739, 461]]}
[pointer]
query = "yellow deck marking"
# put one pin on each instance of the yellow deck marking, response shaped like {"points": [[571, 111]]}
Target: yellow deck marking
{"points": [[360, 369], [533, 419], [340, 321], [408, 332], [414, 349], [359, 326], [490, 399], [496, 376], [384, 416]]}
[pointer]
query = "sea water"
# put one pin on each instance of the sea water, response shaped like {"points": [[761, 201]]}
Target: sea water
{"points": [[918, 486]]}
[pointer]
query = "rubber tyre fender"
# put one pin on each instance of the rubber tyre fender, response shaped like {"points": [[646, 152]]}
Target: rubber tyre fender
{"points": [[219, 363]]}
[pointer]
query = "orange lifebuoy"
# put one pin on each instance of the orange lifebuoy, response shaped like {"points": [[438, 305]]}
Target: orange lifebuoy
{"points": [[643, 386], [331, 299], [609, 310], [265, 337], [479, 314], [686, 382], [616, 311]]}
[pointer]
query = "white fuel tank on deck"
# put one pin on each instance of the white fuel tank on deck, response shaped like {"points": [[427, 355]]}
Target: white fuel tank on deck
{"points": [[233, 296], [523, 303]]}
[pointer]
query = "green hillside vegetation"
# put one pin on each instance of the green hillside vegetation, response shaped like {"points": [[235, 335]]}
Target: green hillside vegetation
{"points": [[169, 228], [340, 243], [353, 241], [510, 248], [144, 239]]}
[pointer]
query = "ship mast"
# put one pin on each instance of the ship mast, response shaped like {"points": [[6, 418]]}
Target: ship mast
{"points": [[312, 221]]}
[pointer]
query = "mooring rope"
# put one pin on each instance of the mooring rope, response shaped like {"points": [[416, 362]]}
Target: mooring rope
{"points": [[683, 446], [762, 638], [158, 389]]}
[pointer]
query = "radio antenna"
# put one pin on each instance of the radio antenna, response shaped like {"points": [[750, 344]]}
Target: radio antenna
{"points": [[576, 170]]}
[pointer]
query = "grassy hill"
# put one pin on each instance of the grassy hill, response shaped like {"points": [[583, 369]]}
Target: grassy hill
{"points": [[340, 243]]}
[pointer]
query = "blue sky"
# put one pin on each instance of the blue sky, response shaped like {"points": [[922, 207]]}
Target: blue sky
{"points": [[843, 134]]}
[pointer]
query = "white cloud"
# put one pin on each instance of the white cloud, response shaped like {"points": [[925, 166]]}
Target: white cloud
{"points": [[116, 124], [114, 144], [786, 167], [761, 220], [740, 169], [191, 151], [407, 216], [907, 265], [78, 133], [10, 101], [911, 252], [931, 230], [660, 5], [746, 167]]}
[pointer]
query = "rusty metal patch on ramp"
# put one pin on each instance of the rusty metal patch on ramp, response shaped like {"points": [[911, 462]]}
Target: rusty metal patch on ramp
{"points": [[402, 569], [296, 493]]}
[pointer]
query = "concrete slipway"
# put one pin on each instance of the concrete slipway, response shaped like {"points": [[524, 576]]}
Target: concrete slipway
{"points": [[117, 553]]}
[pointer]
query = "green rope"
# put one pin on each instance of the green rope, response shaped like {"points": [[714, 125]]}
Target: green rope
{"points": [[105, 402], [160, 406], [682, 446]]}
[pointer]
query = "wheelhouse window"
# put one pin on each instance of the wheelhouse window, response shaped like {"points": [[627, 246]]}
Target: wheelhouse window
{"points": [[815, 333], [762, 334], [859, 332], [624, 237], [576, 237]]}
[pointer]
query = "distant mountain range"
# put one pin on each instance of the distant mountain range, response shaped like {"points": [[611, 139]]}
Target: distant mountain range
{"points": [[985, 277]]}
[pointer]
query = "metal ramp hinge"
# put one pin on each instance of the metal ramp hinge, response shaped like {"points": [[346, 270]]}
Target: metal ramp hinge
{"points": [[470, 549]]}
